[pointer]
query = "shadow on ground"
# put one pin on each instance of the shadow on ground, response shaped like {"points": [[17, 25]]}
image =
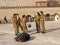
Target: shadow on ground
{"points": [[47, 31], [53, 29]]}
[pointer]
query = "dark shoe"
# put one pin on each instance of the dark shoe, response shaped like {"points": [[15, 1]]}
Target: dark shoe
{"points": [[15, 34], [43, 32]]}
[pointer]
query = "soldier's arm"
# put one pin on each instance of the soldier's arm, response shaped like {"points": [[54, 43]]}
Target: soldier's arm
{"points": [[25, 20]]}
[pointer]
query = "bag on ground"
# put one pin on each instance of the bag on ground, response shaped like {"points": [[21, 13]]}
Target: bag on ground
{"points": [[22, 37]]}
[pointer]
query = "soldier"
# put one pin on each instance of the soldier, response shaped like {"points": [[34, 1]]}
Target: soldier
{"points": [[15, 24], [42, 21], [19, 23], [5, 19], [23, 24], [37, 19]]}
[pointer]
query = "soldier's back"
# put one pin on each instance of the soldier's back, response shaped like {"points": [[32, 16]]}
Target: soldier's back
{"points": [[36, 17]]}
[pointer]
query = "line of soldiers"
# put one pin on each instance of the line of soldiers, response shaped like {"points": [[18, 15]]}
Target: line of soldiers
{"points": [[17, 22]]}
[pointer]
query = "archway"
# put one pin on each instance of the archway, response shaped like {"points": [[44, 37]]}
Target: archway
{"points": [[47, 17]]}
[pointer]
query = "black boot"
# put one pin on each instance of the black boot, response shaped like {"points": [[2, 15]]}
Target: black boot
{"points": [[43, 32]]}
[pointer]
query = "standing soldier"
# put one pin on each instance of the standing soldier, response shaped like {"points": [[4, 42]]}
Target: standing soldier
{"points": [[5, 19], [42, 21], [37, 19], [19, 23], [15, 24], [23, 24]]}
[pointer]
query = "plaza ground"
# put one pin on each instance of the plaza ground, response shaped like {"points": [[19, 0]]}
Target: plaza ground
{"points": [[51, 37]]}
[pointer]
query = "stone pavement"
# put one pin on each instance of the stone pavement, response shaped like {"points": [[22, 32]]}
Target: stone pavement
{"points": [[52, 36]]}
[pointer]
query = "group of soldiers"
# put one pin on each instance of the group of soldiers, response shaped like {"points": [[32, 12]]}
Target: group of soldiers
{"points": [[21, 22], [39, 19]]}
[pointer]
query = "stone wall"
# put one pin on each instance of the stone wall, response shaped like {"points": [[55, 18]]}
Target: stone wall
{"points": [[31, 11]]}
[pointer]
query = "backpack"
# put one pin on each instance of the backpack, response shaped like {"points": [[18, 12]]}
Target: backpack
{"points": [[22, 37]]}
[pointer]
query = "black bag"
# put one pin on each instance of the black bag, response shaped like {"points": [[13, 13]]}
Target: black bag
{"points": [[23, 37], [29, 25]]}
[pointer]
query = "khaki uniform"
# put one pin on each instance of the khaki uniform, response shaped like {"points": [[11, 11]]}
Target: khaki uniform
{"points": [[19, 23], [15, 26], [37, 19], [42, 23], [23, 24]]}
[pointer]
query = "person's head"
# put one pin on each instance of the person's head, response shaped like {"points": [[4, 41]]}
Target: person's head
{"points": [[15, 14], [41, 12], [23, 16], [38, 13]]}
